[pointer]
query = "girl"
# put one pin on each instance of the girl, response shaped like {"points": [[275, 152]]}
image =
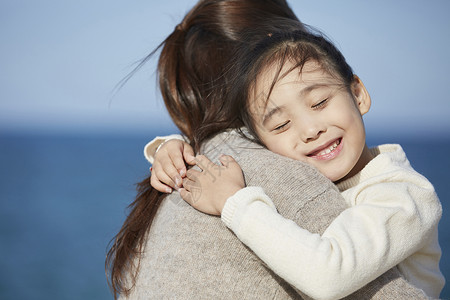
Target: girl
{"points": [[166, 249], [304, 102]]}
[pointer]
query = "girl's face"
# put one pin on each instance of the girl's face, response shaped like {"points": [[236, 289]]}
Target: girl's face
{"points": [[311, 117]]}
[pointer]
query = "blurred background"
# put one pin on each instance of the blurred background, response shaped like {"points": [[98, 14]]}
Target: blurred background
{"points": [[71, 142]]}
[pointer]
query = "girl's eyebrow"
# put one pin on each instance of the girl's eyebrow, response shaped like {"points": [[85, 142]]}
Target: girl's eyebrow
{"points": [[313, 87], [270, 113]]}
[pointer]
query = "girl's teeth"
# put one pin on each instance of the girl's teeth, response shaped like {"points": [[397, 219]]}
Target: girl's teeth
{"points": [[331, 148]]}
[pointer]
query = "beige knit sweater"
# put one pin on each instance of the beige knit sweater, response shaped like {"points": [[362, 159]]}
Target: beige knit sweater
{"points": [[191, 255]]}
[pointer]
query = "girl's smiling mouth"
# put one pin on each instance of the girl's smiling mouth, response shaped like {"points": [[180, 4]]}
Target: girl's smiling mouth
{"points": [[327, 152]]}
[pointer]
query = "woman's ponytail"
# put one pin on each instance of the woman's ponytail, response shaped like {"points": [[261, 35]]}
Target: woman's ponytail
{"points": [[122, 260]]}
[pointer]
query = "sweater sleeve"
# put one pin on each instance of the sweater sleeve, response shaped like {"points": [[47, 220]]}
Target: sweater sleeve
{"points": [[152, 146], [389, 223]]}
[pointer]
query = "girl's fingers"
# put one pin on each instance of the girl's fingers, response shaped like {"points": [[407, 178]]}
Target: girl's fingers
{"points": [[177, 162], [226, 160], [159, 186], [172, 173], [188, 154], [202, 162], [192, 174], [162, 177], [188, 184], [186, 195], [229, 162]]}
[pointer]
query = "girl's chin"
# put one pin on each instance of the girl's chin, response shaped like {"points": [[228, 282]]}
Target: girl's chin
{"points": [[333, 176]]}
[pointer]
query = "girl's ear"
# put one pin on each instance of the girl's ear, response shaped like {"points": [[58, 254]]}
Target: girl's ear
{"points": [[362, 97]]}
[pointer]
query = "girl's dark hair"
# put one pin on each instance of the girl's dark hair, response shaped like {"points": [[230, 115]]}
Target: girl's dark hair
{"points": [[193, 82], [275, 50]]}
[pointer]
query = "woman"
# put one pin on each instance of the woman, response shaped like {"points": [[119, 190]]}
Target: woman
{"points": [[167, 249]]}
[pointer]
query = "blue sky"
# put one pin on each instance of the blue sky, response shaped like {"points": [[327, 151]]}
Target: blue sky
{"points": [[60, 62]]}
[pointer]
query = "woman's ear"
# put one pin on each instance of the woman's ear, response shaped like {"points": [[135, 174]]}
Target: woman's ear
{"points": [[361, 95]]}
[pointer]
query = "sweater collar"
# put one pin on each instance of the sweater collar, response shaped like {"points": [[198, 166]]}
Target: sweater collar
{"points": [[384, 156]]}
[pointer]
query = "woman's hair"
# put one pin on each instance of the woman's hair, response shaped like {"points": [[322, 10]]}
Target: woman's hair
{"points": [[193, 79], [276, 50]]}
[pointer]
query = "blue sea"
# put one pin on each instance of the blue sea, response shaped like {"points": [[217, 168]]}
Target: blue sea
{"points": [[63, 197]]}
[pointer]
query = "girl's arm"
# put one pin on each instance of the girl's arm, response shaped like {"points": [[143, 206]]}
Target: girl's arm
{"points": [[359, 245], [153, 146]]}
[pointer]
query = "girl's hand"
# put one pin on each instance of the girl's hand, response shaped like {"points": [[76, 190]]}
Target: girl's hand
{"points": [[208, 190], [169, 167]]}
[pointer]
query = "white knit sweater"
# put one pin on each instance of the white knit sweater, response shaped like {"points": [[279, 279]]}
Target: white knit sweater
{"points": [[392, 220]]}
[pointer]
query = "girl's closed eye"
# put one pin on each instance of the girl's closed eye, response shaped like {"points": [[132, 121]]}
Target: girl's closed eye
{"points": [[282, 127], [320, 104]]}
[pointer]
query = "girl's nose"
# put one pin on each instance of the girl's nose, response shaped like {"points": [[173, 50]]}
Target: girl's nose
{"points": [[311, 130]]}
